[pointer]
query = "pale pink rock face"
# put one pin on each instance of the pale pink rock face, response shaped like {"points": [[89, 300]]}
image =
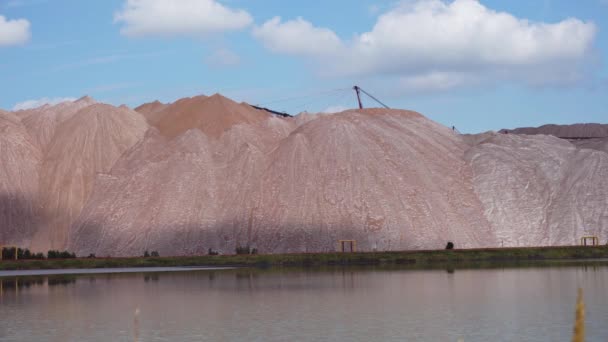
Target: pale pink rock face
{"points": [[582, 130], [600, 144], [538, 190], [76, 140], [207, 172], [19, 167], [42, 122]]}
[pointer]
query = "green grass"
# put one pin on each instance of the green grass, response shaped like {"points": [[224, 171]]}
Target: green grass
{"points": [[418, 259]]}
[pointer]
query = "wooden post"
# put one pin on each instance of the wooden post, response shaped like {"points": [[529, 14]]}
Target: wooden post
{"points": [[595, 241], [352, 243]]}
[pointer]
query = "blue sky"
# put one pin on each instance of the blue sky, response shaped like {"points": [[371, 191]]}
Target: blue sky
{"points": [[522, 63]]}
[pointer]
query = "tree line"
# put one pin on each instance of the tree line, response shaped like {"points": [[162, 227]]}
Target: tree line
{"points": [[8, 253]]}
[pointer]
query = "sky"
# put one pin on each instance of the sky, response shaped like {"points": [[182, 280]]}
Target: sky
{"points": [[475, 65]]}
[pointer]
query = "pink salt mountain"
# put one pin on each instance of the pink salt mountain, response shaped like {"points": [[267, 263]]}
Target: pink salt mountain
{"points": [[212, 115], [87, 143], [586, 130], [224, 174], [589, 135], [181, 181], [152, 111], [389, 179], [207, 172], [42, 122], [19, 167]]}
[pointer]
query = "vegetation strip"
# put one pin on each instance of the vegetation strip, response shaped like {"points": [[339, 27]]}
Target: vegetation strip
{"points": [[418, 258]]}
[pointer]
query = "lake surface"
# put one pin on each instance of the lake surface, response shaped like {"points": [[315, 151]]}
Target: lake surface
{"points": [[509, 304]]}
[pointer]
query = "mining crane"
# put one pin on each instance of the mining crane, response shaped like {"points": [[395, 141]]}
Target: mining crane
{"points": [[358, 91]]}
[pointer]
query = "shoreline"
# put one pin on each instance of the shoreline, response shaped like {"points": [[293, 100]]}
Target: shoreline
{"points": [[122, 270], [419, 258]]}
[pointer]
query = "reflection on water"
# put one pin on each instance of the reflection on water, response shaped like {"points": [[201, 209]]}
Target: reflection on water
{"points": [[367, 304], [14, 284]]}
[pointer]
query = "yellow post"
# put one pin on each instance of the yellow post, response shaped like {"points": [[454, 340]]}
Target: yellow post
{"points": [[579, 322]]}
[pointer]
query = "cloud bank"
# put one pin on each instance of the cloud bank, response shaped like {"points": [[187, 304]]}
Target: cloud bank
{"points": [[29, 104], [14, 32], [435, 45], [298, 37], [178, 18]]}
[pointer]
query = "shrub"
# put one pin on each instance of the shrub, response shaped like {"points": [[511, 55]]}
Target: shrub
{"points": [[24, 254], [243, 250], [146, 254], [154, 254], [38, 256], [91, 256], [52, 254], [450, 245], [212, 252], [246, 250]]}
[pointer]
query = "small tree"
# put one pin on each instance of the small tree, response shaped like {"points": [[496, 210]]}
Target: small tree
{"points": [[450, 245], [146, 254], [154, 254]]}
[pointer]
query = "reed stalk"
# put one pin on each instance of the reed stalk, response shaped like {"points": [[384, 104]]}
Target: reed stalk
{"points": [[579, 323]]}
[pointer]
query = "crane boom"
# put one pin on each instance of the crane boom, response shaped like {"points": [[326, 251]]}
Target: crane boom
{"points": [[358, 90]]}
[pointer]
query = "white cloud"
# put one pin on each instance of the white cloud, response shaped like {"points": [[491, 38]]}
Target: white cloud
{"points": [[29, 104], [438, 81], [223, 58], [183, 17], [334, 109], [14, 32], [432, 44], [297, 37]]}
